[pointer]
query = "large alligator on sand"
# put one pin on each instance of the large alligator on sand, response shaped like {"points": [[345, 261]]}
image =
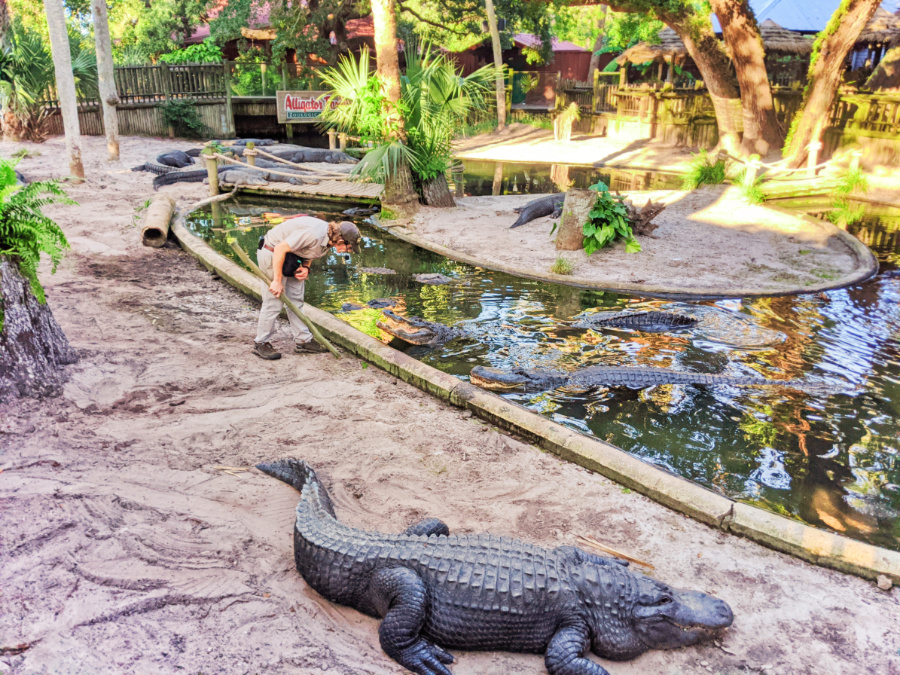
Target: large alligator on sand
{"points": [[647, 322], [524, 379], [538, 208], [433, 590], [417, 331]]}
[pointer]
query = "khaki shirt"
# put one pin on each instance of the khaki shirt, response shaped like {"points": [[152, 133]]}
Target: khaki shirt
{"points": [[307, 236]]}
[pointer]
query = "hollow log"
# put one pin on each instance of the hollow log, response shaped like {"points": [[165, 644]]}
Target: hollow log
{"points": [[575, 212], [33, 348], [156, 221]]}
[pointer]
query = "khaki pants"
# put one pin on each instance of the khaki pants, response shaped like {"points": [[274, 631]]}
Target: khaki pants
{"points": [[271, 306]]}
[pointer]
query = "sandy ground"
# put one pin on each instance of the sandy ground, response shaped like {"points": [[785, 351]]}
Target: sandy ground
{"points": [[524, 143], [128, 546], [707, 241]]}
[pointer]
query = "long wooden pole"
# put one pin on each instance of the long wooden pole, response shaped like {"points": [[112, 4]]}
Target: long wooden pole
{"points": [[498, 63], [321, 339]]}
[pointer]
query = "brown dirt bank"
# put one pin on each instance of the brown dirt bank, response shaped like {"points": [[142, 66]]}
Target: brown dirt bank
{"points": [[708, 242], [128, 547]]}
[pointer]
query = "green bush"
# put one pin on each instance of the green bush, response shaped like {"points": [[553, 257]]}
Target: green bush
{"points": [[205, 52], [608, 222], [751, 191], [843, 213], [704, 171], [25, 232], [182, 115], [562, 266]]}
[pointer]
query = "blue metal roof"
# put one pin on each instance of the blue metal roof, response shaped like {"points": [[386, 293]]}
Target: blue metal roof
{"points": [[804, 16]]}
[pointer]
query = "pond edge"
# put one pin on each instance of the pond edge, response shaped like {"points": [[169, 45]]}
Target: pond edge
{"points": [[820, 547], [867, 266]]}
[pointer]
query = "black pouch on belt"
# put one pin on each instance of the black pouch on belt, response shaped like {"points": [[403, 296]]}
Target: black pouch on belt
{"points": [[262, 242], [292, 263]]}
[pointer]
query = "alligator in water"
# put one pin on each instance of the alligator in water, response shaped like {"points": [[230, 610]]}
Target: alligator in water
{"points": [[417, 331], [538, 208], [523, 379], [435, 591], [647, 322]]}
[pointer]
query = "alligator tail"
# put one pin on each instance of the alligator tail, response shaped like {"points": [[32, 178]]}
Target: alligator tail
{"points": [[298, 474]]}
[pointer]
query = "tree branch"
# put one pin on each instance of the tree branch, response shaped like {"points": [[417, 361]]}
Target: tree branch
{"points": [[421, 18]]}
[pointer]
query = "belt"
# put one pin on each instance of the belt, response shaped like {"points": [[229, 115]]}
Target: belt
{"points": [[268, 248]]}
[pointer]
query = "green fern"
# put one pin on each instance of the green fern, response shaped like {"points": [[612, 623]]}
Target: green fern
{"points": [[25, 232]]}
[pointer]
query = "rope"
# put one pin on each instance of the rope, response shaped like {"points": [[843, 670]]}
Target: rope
{"points": [[258, 168], [307, 167]]}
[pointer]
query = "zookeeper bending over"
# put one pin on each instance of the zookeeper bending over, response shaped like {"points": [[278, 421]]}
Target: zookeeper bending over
{"points": [[296, 241]]}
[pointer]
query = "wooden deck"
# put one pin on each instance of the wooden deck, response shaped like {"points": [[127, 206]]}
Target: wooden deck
{"points": [[330, 190]]}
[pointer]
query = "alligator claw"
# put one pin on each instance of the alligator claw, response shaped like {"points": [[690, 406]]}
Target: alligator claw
{"points": [[425, 658]]}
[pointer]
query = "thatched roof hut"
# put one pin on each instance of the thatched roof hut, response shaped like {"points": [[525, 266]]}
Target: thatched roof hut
{"points": [[670, 48], [778, 40], [883, 28]]}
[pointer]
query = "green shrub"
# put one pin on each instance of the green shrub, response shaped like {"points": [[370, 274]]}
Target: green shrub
{"points": [[750, 191], [843, 213], [608, 222], [703, 171], [561, 266], [182, 115], [25, 232], [205, 52]]}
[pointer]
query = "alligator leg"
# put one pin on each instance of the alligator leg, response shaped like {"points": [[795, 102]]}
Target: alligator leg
{"points": [[428, 527], [565, 654], [399, 595]]}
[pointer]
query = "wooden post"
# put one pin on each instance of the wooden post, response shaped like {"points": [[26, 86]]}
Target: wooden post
{"points": [[623, 75], [229, 111], [595, 92], [813, 159], [212, 170], [288, 127], [497, 185], [263, 67], [342, 140], [855, 156], [575, 213], [250, 153], [167, 91], [332, 141]]}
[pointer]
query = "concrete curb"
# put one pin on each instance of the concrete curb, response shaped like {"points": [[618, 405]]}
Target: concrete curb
{"points": [[817, 546], [867, 266]]}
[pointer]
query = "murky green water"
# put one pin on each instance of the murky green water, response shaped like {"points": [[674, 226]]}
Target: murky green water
{"points": [[828, 459]]}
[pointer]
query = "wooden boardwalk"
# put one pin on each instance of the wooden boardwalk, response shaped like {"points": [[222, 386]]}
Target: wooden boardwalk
{"points": [[330, 190]]}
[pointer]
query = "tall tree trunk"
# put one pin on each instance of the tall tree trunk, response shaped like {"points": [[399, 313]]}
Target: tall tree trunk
{"points": [[825, 71], [399, 190], [598, 43], [33, 347], [696, 32], [109, 98], [498, 63], [5, 20], [65, 84], [741, 33]]}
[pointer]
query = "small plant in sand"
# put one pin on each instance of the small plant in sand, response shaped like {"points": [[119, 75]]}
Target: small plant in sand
{"points": [[608, 222], [702, 170], [751, 190], [561, 266], [25, 232], [562, 125], [850, 183]]}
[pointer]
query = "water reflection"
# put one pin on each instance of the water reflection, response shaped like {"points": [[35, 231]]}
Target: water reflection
{"points": [[827, 458]]}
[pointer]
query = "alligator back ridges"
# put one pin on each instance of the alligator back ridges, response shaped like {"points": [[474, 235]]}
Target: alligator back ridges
{"points": [[650, 321]]}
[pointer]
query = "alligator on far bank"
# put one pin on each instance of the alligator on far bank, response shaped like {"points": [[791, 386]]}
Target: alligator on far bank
{"points": [[523, 379], [417, 331], [433, 590]]}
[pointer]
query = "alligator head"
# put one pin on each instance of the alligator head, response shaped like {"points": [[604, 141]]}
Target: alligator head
{"points": [[648, 614], [412, 329], [497, 379]]}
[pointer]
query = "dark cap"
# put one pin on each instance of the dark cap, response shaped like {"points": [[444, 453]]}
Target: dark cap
{"points": [[350, 234]]}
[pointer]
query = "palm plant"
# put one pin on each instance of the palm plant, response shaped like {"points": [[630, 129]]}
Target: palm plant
{"points": [[27, 80], [435, 101]]}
